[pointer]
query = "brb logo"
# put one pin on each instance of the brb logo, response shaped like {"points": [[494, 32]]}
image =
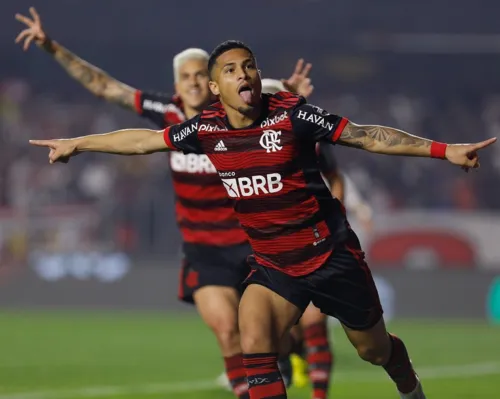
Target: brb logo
{"points": [[270, 141], [255, 185], [191, 163]]}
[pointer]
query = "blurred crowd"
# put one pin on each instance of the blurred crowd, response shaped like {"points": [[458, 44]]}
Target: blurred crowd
{"points": [[131, 196]]}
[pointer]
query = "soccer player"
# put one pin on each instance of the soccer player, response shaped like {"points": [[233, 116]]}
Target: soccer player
{"points": [[215, 247], [303, 248]]}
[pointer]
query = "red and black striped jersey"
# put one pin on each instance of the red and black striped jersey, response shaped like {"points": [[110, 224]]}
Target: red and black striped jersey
{"points": [[271, 171], [204, 213]]}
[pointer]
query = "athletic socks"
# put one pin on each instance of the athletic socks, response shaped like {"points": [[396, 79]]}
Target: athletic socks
{"points": [[401, 371], [263, 376], [236, 374], [319, 358]]}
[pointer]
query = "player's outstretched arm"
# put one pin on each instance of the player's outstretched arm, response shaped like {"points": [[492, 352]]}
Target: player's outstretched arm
{"points": [[92, 78], [123, 142], [390, 141]]}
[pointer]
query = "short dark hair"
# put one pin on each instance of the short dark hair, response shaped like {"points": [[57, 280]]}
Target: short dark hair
{"points": [[224, 47]]}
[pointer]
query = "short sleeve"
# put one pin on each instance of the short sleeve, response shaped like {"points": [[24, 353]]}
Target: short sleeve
{"points": [[157, 107], [310, 122], [326, 157], [184, 136]]}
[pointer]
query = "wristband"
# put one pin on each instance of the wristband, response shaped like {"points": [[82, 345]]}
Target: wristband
{"points": [[438, 150], [47, 45]]}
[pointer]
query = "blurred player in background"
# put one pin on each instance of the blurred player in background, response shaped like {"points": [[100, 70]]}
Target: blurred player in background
{"points": [[215, 247]]}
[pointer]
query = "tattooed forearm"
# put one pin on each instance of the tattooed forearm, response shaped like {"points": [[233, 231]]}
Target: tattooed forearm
{"points": [[92, 78], [384, 140]]}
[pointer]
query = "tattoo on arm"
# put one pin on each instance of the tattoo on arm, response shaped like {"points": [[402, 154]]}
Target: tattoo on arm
{"points": [[94, 79], [384, 140]]}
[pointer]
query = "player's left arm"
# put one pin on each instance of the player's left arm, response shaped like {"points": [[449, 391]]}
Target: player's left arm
{"points": [[319, 125], [391, 141]]}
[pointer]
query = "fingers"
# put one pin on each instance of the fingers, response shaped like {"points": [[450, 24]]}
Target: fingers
{"points": [[51, 155], [298, 66], [24, 20], [43, 143], [28, 42], [35, 15], [483, 144], [22, 35], [306, 70]]}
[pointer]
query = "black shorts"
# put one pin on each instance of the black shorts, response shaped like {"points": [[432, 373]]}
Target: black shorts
{"points": [[343, 287], [203, 266]]}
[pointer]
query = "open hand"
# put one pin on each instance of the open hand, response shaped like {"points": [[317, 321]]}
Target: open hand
{"points": [[299, 83], [465, 155], [60, 150], [34, 29]]}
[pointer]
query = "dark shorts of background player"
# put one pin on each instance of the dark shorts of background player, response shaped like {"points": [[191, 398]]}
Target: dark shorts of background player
{"points": [[213, 266], [343, 287]]}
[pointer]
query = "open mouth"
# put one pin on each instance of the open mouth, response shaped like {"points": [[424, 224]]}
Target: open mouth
{"points": [[245, 92]]}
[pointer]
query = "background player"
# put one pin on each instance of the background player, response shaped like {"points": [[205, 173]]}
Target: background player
{"points": [[215, 247], [303, 247]]}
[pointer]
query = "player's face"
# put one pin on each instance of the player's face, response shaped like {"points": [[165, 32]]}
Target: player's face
{"points": [[236, 79], [192, 86]]}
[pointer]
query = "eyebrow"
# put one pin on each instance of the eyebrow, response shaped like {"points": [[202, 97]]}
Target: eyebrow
{"points": [[234, 63]]}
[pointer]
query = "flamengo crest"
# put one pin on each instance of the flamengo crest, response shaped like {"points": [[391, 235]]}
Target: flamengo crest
{"points": [[270, 141]]}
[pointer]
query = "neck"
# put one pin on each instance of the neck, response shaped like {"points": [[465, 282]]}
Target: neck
{"points": [[191, 112], [239, 120]]}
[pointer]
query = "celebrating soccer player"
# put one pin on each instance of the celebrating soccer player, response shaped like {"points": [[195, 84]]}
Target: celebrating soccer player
{"points": [[304, 249]]}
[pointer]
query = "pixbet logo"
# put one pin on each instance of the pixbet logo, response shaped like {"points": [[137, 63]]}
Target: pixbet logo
{"points": [[270, 141], [255, 185]]}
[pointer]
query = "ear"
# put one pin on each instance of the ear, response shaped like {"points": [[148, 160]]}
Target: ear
{"points": [[259, 72], [214, 88], [176, 85]]}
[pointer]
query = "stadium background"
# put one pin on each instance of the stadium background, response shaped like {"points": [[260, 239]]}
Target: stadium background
{"points": [[89, 251]]}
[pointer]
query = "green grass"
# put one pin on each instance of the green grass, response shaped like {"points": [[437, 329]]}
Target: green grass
{"points": [[148, 355]]}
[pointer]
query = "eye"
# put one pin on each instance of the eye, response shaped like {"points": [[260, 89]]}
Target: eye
{"points": [[229, 70]]}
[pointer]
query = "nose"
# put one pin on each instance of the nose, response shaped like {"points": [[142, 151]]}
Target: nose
{"points": [[242, 73], [192, 80]]}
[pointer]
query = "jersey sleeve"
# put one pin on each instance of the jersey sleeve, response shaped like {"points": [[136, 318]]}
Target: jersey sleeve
{"points": [[326, 158], [184, 136], [153, 106], [310, 122]]}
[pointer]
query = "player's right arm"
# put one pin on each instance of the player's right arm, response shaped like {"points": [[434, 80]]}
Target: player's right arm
{"points": [[180, 137], [92, 78]]}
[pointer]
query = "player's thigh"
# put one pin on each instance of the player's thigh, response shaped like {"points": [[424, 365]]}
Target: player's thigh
{"points": [[218, 307], [344, 288], [311, 316], [271, 304], [296, 333], [264, 319]]}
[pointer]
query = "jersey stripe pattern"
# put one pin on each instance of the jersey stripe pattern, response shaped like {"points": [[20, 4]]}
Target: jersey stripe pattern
{"points": [[271, 171], [204, 213]]}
